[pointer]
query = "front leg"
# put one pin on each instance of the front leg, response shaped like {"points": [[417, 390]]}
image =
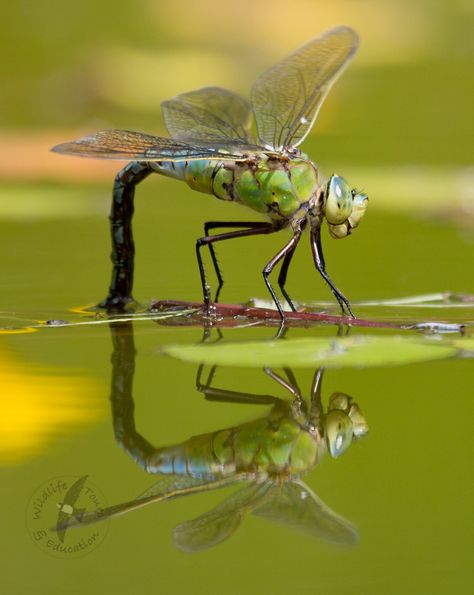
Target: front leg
{"points": [[318, 257], [123, 248], [286, 252]]}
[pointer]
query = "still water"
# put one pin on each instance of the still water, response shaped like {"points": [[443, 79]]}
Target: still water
{"points": [[84, 404]]}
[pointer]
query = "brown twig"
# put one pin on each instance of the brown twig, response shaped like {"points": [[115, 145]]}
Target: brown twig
{"points": [[232, 314]]}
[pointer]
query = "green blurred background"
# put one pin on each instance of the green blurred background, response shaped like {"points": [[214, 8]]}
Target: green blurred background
{"points": [[398, 124], [407, 97]]}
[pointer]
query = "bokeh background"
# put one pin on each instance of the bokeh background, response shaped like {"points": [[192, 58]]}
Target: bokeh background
{"points": [[398, 125], [405, 100]]}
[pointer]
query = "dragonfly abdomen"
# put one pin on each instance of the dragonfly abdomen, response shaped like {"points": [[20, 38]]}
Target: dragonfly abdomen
{"points": [[272, 447], [204, 175], [195, 457]]}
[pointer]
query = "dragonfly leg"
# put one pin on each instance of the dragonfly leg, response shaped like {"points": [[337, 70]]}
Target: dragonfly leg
{"points": [[318, 257], [226, 224], [123, 249], [298, 406], [212, 393], [253, 228], [282, 277], [316, 411], [288, 248], [291, 386]]}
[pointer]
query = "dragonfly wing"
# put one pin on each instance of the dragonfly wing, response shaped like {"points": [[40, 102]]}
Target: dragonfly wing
{"points": [[166, 488], [221, 522], [136, 146], [211, 113], [296, 505], [286, 98]]}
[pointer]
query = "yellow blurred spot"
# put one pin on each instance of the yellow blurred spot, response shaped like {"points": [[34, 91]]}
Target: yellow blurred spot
{"points": [[39, 404], [386, 32]]}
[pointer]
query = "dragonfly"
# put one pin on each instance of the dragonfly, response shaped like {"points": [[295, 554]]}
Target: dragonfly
{"points": [[213, 148], [268, 456]]}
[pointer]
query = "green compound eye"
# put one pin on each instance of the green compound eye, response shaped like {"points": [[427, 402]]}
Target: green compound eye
{"points": [[338, 201], [346, 404], [339, 432], [344, 208], [359, 206]]}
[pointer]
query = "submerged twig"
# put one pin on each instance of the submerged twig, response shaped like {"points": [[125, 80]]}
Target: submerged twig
{"points": [[231, 314]]}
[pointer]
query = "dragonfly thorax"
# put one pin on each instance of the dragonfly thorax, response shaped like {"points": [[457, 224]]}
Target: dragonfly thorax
{"points": [[276, 185]]}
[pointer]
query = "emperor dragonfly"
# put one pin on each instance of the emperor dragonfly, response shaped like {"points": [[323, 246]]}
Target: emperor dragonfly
{"points": [[213, 149], [268, 455]]}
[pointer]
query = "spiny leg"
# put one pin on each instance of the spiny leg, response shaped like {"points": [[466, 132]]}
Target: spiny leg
{"points": [[282, 277], [318, 257], [288, 248], [123, 249], [259, 229], [227, 224]]}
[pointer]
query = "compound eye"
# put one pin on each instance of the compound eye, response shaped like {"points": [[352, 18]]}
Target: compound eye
{"points": [[339, 432], [359, 207], [338, 201]]}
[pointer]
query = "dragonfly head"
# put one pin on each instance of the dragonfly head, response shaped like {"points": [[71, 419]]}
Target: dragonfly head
{"points": [[344, 423], [343, 207]]}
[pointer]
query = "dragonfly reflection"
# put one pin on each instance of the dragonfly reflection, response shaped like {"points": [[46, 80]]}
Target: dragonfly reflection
{"points": [[268, 456]]}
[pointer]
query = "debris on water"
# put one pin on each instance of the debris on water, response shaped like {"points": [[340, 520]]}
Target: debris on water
{"points": [[438, 327]]}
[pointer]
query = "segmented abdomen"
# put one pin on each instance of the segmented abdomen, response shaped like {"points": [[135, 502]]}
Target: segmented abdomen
{"points": [[256, 448]]}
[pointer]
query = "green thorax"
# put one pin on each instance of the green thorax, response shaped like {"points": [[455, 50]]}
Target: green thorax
{"points": [[271, 184], [277, 445]]}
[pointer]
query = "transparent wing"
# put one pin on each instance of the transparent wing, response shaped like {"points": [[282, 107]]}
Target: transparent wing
{"points": [[286, 98], [167, 487], [221, 522], [296, 505], [211, 113], [136, 146]]}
